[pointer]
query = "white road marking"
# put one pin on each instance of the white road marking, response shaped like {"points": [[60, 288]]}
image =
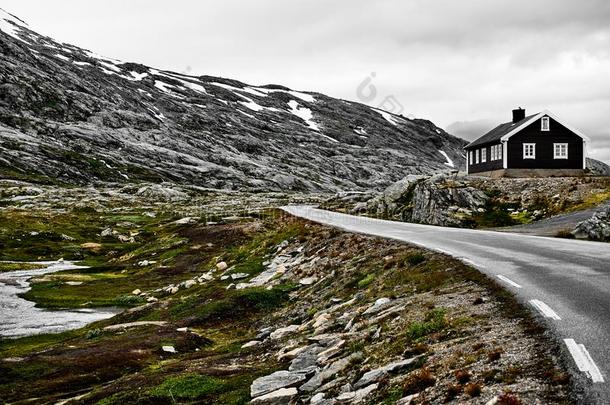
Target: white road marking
{"points": [[583, 360], [545, 309], [508, 281]]}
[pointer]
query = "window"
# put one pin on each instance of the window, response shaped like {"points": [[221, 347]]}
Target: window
{"points": [[561, 150], [496, 152], [470, 158], [476, 156], [546, 125], [483, 155], [529, 151]]}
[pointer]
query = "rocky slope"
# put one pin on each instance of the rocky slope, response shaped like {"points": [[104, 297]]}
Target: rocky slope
{"points": [[69, 115]]}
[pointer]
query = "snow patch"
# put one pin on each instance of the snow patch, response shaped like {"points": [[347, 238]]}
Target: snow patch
{"points": [[388, 117], [449, 162], [82, 63], [303, 113], [138, 76], [10, 25], [62, 57]]}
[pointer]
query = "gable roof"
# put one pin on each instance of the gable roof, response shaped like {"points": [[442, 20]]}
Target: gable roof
{"points": [[503, 132]]}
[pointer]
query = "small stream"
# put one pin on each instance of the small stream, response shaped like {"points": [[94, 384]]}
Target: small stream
{"points": [[19, 317]]}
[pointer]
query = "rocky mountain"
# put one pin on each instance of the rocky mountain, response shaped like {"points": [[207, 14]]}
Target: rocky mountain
{"points": [[71, 116]]}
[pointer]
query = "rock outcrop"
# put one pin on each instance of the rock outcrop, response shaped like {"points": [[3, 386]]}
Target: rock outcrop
{"points": [[595, 228], [443, 199]]}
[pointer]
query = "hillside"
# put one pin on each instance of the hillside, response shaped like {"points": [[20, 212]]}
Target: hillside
{"points": [[68, 115]]}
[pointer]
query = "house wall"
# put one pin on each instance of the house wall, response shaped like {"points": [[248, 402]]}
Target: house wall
{"points": [[487, 166], [544, 141]]}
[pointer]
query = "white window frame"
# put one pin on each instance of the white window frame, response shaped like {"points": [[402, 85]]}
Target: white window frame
{"points": [[526, 151], [545, 124], [499, 150], [558, 147], [476, 156], [470, 154], [484, 155]]}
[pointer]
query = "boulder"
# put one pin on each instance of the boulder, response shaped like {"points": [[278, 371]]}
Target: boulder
{"points": [[251, 343], [283, 332], [379, 305], [280, 397], [381, 372], [595, 228], [273, 382]]}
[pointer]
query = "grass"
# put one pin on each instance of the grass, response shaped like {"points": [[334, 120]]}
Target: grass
{"points": [[434, 322], [6, 267], [190, 386]]}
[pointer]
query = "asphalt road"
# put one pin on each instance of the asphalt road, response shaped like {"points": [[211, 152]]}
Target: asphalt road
{"points": [[551, 226], [565, 282]]}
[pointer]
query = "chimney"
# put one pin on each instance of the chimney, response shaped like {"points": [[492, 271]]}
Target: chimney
{"points": [[518, 114]]}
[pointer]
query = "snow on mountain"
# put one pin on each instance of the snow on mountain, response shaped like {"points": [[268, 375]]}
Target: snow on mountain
{"points": [[64, 110]]}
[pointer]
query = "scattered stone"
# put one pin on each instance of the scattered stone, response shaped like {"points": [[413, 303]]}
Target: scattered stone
{"points": [[221, 266], [189, 283], [74, 283], [174, 290], [380, 304], [264, 333], [182, 330], [169, 349], [280, 397], [308, 281], [407, 400], [319, 397], [134, 325], [275, 381], [330, 371], [238, 276], [251, 343], [306, 359], [67, 238], [185, 221], [231, 286], [595, 228], [392, 368], [137, 291], [283, 332], [152, 299]]}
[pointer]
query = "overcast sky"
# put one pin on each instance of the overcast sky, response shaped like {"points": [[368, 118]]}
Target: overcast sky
{"points": [[462, 64]]}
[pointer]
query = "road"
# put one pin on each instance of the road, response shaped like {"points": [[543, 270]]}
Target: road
{"points": [[551, 226], [565, 282]]}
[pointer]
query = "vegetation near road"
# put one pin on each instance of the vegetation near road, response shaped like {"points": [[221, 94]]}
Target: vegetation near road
{"points": [[225, 303]]}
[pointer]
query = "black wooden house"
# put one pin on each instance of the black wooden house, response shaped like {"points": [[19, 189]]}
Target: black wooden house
{"points": [[539, 145]]}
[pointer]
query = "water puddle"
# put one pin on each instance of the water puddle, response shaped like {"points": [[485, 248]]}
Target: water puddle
{"points": [[19, 317]]}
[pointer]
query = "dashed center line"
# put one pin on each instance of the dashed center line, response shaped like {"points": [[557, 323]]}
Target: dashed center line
{"points": [[508, 281], [583, 360], [545, 309]]}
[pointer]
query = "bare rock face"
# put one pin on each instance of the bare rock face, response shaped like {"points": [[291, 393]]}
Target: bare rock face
{"points": [[71, 116], [595, 228], [597, 167], [444, 199]]}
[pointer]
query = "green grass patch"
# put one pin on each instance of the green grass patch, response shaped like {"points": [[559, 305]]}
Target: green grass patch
{"points": [[189, 386], [434, 322], [6, 267]]}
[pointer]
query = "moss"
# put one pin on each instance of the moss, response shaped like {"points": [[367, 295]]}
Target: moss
{"points": [[434, 322], [366, 281]]}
